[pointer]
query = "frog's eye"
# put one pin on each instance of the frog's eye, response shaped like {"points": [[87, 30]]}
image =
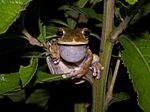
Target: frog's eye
{"points": [[60, 33], [86, 32]]}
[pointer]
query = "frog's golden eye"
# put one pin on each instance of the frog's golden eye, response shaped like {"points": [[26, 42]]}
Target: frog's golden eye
{"points": [[86, 32], [60, 33]]}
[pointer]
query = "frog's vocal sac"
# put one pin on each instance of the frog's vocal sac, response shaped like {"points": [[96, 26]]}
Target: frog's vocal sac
{"points": [[69, 54]]}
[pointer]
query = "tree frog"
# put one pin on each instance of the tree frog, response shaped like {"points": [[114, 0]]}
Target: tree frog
{"points": [[69, 54]]}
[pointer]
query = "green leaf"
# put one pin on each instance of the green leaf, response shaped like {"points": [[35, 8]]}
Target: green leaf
{"points": [[143, 11], [71, 22], [118, 97], [72, 13], [95, 1], [42, 35], [65, 7], [51, 30], [40, 97], [91, 12], [117, 13], [46, 77], [27, 72], [131, 2], [9, 12], [9, 82], [59, 22], [17, 96], [81, 3], [136, 57]]}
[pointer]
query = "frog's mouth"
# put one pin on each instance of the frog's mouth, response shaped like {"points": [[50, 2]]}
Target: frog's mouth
{"points": [[73, 53]]}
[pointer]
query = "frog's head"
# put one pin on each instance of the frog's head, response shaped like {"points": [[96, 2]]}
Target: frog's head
{"points": [[73, 44], [78, 36]]}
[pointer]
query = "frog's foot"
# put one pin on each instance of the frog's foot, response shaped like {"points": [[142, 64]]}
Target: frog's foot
{"points": [[96, 69], [78, 72], [74, 73]]}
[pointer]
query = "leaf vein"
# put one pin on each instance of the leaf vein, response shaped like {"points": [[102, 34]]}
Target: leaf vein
{"points": [[139, 52]]}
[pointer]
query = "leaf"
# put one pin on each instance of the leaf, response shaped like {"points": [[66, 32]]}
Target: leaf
{"points": [[42, 35], [95, 1], [131, 2], [59, 22], [65, 7], [118, 97], [143, 11], [46, 77], [72, 13], [27, 72], [71, 22], [117, 13], [17, 96], [51, 30], [136, 57], [91, 12], [81, 3], [9, 82], [9, 12], [40, 97]]}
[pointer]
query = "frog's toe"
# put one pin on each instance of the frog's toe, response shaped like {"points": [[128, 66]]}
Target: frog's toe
{"points": [[56, 61], [77, 72], [72, 73], [67, 75], [98, 77], [93, 71]]}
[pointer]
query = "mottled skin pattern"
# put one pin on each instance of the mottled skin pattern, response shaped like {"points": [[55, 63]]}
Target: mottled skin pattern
{"points": [[88, 66]]}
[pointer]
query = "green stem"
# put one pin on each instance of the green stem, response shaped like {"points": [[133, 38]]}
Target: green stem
{"points": [[80, 107], [109, 94], [99, 86]]}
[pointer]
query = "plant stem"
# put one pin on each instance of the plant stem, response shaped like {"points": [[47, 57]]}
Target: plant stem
{"points": [[80, 107], [123, 25], [109, 94], [99, 86]]}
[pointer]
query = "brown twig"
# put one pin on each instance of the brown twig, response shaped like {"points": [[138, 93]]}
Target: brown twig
{"points": [[123, 25]]}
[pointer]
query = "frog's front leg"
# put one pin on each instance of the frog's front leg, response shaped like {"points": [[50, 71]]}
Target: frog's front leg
{"points": [[58, 68], [96, 67], [53, 50]]}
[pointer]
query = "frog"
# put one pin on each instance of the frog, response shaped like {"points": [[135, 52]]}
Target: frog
{"points": [[69, 55]]}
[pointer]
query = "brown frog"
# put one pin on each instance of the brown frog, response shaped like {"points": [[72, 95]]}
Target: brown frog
{"points": [[70, 55]]}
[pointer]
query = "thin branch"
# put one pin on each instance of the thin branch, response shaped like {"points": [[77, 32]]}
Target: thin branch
{"points": [[123, 25], [32, 40], [109, 94]]}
